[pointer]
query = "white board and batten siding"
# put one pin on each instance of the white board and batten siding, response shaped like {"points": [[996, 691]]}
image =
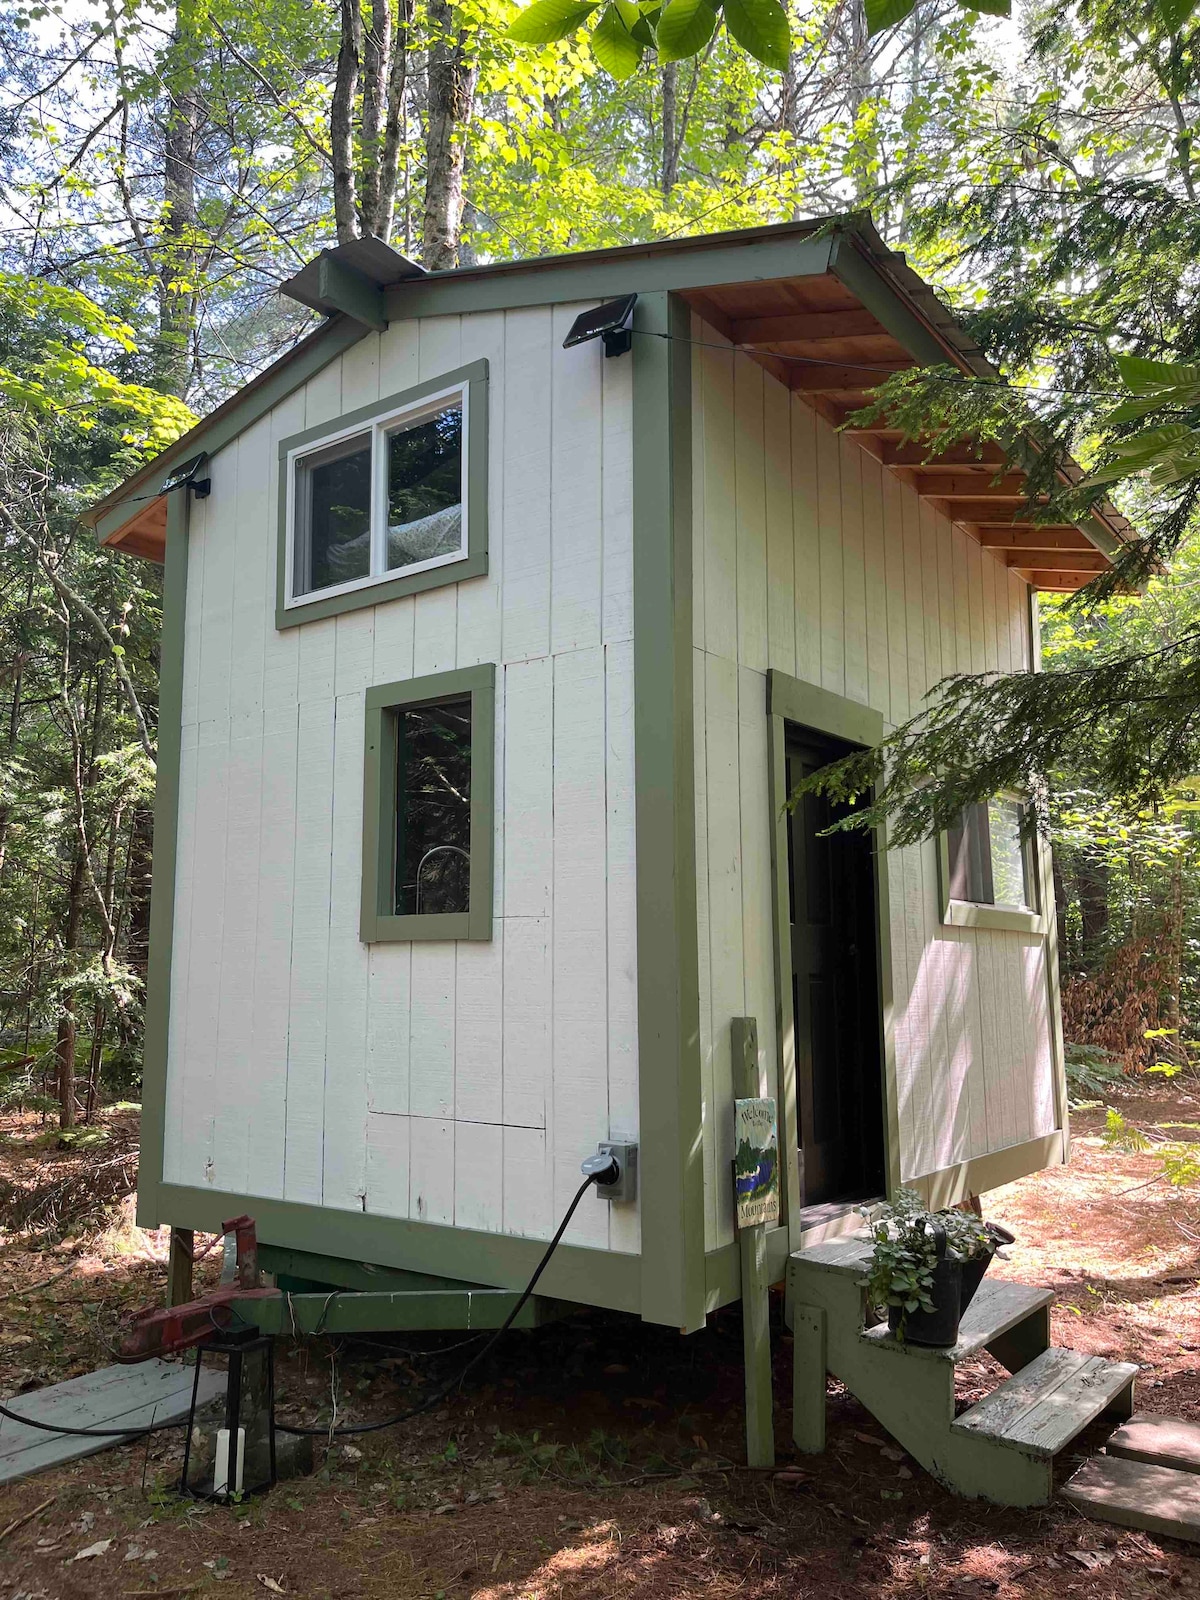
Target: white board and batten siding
{"points": [[449, 1082], [811, 558]]}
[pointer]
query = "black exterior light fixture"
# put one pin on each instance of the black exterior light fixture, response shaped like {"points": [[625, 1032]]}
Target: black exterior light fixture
{"points": [[186, 475], [611, 322]]}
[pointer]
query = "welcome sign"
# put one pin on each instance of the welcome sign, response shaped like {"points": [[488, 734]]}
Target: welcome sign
{"points": [[755, 1161]]}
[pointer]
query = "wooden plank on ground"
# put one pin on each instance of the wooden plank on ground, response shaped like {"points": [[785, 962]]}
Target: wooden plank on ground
{"points": [[114, 1397], [1162, 1441], [1134, 1494]]}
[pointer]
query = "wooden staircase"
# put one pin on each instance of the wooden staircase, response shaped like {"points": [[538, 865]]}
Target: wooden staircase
{"points": [[1002, 1449]]}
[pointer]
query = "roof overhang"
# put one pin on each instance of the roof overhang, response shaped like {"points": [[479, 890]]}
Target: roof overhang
{"points": [[823, 305]]}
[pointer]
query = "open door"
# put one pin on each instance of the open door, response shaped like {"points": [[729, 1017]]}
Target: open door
{"points": [[835, 990]]}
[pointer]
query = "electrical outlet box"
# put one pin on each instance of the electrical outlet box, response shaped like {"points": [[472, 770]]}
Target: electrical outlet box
{"points": [[626, 1154]]}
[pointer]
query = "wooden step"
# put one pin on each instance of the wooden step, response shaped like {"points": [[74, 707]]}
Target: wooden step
{"points": [[1042, 1408], [1162, 1441], [1160, 1500], [997, 1307], [848, 1252]]}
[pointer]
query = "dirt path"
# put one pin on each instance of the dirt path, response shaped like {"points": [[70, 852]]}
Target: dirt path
{"points": [[590, 1460]]}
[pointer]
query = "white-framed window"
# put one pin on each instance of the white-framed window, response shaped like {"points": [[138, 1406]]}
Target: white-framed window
{"points": [[991, 857], [379, 500]]}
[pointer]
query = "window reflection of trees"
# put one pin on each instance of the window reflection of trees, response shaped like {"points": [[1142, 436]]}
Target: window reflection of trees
{"points": [[433, 810]]}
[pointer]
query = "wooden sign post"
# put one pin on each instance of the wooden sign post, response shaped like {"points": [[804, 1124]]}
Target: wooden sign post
{"points": [[756, 1208]]}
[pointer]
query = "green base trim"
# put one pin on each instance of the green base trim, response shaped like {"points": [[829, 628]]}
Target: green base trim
{"points": [[590, 1277], [723, 1270], [332, 1272], [430, 1310], [949, 1185]]}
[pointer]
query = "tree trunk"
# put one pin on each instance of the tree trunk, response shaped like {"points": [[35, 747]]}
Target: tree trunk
{"points": [[451, 78], [670, 140], [395, 122], [377, 52], [64, 1047], [1091, 881], [341, 121], [177, 265]]}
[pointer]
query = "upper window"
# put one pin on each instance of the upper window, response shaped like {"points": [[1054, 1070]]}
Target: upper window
{"points": [[989, 867], [391, 500]]}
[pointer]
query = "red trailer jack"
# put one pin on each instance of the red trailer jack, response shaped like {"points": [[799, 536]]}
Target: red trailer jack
{"points": [[166, 1330]]}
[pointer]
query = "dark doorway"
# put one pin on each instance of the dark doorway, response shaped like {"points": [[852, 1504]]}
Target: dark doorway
{"points": [[835, 990]]}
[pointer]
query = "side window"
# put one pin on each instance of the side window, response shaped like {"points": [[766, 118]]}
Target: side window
{"points": [[988, 864], [390, 501], [428, 808]]}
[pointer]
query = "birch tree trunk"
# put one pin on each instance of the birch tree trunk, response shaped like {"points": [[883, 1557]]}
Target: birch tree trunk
{"points": [[451, 76], [341, 121], [177, 263]]}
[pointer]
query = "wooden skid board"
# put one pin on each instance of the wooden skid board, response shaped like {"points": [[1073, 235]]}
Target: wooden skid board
{"points": [[997, 1307], [1163, 1441], [114, 1397], [1157, 1499], [1043, 1407]]}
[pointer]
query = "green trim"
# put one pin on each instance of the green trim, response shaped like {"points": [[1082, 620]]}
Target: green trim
{"points": [[590, 1277], [166, 830], [785, 1030], [862, 276], [640, 269], [339, 286], [807, 705], [723, 1269], [1045, 867], [474, 378], [949, 1185], [670, 1091], [819, 709], [376, 1311], [303, 1266], [968, 914], [376, 923], [240, 412]]}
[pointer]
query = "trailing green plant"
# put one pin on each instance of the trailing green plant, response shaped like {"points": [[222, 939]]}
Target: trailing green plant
{"points": [[904, 1257]]}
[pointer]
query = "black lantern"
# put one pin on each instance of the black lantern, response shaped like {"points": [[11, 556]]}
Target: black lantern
{"points": [[234, 1458]]}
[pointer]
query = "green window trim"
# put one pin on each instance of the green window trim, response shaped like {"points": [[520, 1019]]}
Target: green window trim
{"points": [[377, 925], [472, 380], [970, 914]]}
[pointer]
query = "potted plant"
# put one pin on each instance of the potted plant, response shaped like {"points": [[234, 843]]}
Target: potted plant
{"points": [[926, 1266]]}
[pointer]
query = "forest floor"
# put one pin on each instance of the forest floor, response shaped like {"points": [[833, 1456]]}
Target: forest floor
{"points": [[593, 1459]]}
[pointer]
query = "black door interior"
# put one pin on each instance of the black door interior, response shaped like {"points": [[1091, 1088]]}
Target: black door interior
{"points": [[835, 990]]}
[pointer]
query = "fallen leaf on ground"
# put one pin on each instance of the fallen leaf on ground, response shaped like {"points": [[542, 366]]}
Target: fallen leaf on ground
{"points": [[97, 1549], [269, 1583], [1091, 1559]]}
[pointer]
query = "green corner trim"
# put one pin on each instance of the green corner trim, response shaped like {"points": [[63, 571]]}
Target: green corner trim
{"points": [[377, 924], [807, 705], [670, 1095], [588, 1277], [166, 829], [473, 378], [1045, 869]]}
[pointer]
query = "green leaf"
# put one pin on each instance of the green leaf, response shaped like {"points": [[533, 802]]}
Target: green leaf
{"points": [[1143, 376], [684, 28], [1174, 13], [761, 28], [882, 14], [993, 8], [547, 20], [630, 12], [613, 47]]}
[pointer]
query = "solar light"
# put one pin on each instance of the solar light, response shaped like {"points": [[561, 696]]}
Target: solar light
{"points": [[231, 1456], [185, 474], [610, 322]]}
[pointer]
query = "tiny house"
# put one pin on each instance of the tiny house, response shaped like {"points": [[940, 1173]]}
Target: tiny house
{"points": [[489, 660]]}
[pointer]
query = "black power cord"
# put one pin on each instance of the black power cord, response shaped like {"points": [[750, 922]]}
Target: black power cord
{"points": [[604, 1173]]}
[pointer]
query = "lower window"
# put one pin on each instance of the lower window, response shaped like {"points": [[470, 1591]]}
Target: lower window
{"points": [[428, 808], [989, 869]]}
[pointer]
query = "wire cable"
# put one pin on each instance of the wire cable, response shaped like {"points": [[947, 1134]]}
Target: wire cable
{"points": [[440, 1394], [351, 1428]]}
